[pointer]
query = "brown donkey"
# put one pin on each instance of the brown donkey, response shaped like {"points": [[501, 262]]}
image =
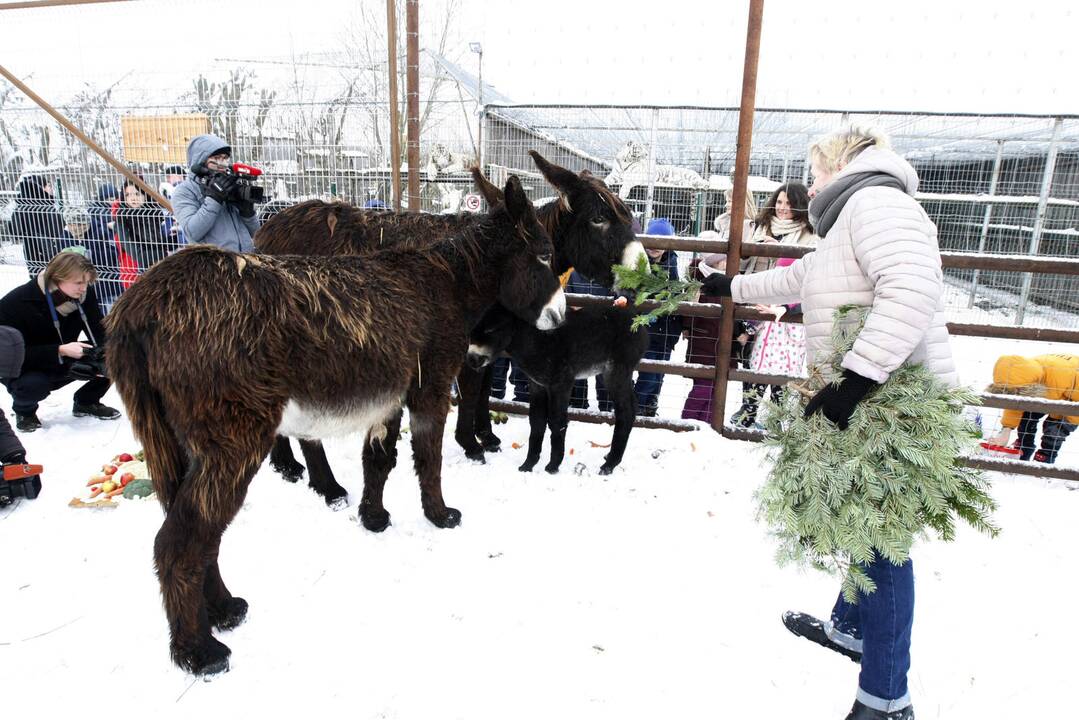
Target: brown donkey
{"points": [[589, 227], [214, 353]]}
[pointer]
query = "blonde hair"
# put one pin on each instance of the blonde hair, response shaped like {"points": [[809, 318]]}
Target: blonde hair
{"points": [[833, 151], [751, 205], [66, 265]]}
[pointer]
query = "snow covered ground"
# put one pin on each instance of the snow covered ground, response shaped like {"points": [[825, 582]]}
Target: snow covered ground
{"points": [[651, 593]]}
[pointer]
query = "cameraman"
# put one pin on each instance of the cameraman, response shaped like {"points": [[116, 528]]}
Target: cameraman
{"points": [[50, 312], [207, 204]]}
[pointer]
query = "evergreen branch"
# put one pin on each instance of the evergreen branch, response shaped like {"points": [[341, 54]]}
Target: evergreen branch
{"points": [[651, 282]]}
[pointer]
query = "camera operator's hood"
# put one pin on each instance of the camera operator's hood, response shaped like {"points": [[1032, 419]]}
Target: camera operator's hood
{"points": [[202, 147]]}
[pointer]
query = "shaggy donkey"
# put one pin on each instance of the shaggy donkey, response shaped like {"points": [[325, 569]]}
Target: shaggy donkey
{"points": [[592, 340], [589, 226], [215, 352]]}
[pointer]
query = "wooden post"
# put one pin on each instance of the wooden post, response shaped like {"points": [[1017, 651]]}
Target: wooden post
{"points": [[395, 123], [412, 91], [738, 204], [87, 140]]}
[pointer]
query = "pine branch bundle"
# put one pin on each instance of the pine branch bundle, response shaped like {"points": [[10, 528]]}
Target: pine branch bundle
{"points": [[834, 497], [652, 282]]}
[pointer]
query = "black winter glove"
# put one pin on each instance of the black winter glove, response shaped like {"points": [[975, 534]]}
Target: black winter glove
{"points": [[837, 402], [246, 208], [220, 186], [717, 284]]}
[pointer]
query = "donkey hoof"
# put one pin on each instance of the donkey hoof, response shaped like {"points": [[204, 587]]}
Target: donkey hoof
{"points": [[527, 466], [209, 658], [375, 521], [451, 519], [229, 616], [607, 469], [337, 502], [490, 442], [552, 468], [291, 470], [476, 456]]}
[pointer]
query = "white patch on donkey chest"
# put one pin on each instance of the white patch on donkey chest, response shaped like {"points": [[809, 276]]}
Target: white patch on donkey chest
{"points": [[310, 423]]}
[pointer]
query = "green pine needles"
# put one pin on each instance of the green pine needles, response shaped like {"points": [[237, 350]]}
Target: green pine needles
{"points": [[651, 282], [834, 497]]}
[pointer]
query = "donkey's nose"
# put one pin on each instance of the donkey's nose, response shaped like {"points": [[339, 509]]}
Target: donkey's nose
{"points": [[477, 357], [553, 313]]}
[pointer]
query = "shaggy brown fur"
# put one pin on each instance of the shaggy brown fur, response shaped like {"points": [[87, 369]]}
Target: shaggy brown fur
{"points": [[211, 351], [590, 229]]}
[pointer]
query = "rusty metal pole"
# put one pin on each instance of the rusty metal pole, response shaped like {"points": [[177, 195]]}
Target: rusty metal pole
{"points": [[395, 121], [738, 204], [87, 140], [412, 91]]}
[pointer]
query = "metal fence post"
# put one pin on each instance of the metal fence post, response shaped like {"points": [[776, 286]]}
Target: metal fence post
{"points": [[738, 202], [1039, 217], [651, 169], [412, 92], [395, 125], [985, 219]]}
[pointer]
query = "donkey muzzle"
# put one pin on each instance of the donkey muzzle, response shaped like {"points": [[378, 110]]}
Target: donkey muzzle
{"points": [[478, 357]]}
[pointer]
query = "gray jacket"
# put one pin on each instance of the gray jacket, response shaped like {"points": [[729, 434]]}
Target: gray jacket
{"points": [[203, 219]]}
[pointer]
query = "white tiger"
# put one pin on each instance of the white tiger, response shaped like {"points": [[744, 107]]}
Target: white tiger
{"points": [[631, 170], [443, 160]]}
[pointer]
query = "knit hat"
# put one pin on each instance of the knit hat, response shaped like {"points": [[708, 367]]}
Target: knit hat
{"points": [[659, 226], [108, 191], [174, 170], [74, 215]]}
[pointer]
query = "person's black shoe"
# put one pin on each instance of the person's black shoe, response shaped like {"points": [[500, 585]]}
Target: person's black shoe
{"points": [[101, 412], [812, 629], [27, 422], [864, 712], [647, 411]]}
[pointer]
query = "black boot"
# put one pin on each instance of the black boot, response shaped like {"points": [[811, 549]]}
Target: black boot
{"points": [[863, 712], [101, 412], [812, 629], [27, 422]]}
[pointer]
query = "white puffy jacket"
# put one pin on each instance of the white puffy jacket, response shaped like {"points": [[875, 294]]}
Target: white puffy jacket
{"points": [[881, 253]]}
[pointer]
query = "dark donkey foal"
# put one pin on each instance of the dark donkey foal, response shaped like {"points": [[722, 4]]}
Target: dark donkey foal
{"points": [[215, 352], [592, 340], [590, 228]]}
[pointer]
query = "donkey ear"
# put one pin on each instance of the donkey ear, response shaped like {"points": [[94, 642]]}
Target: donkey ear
{"points": [[564, 181], [517, 203], [490, 192]]}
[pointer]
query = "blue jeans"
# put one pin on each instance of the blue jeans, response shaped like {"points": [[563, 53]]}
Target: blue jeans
{"points": [[649, 384], [501, 366], [1054, 432], [880, 626]]}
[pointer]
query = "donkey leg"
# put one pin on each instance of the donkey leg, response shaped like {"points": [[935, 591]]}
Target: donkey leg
{"points": [[320, 476], [223, 610], [620, 389], [427, 408], [558, 421], [469, 383], [486, 436], [283, 461], [379, 458], [537, 422]]}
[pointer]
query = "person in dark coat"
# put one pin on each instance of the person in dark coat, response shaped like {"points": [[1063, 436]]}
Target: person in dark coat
{"points": [[36, 222], [578, 397], [12, 353], [51, 312], [664, 332], [139, 221]]}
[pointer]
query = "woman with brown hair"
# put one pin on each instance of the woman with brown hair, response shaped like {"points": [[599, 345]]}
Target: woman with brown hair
{"points": [[51, 312]]}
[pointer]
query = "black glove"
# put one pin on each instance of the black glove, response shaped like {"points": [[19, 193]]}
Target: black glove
{"points": [[837, 402], [246, 207], [219, 186], [717, 284]]}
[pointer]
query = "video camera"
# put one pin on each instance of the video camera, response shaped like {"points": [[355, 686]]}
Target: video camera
{"points": [[241, 182], [90, 366]]}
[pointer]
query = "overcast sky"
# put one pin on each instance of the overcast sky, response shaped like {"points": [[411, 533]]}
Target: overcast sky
{"points": [[953, 56]]}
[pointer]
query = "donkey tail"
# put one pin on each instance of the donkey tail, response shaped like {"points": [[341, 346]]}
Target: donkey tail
{"points": [[129, 368]]}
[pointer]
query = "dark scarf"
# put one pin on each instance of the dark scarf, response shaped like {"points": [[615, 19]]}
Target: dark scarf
{"points": [[824, 209]]}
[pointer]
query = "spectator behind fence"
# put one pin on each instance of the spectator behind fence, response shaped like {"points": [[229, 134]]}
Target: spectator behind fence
{"points": [[101, 220], [578, 398], [51, 312], [100, 242], [139, 222], [702, 334], [1054, 377], [722, 223], [205, 204], [12, 354], [664, 332], [174, 175], [778, 348], [36, 223]]}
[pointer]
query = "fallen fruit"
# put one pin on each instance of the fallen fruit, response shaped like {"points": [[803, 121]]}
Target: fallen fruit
{"points": [[125, 457], [126, 478], [108, 486], [108, 469], [516, 445], [94, 492]]}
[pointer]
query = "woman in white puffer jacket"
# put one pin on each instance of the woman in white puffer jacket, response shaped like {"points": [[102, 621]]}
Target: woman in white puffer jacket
{"points": [[877, 249]]}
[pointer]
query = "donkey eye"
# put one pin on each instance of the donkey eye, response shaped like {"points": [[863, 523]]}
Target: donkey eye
{"points": [[544, 258], [599, 220]]}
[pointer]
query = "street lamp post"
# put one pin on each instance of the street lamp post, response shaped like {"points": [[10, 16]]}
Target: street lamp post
{"points": [[478, 49]]}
